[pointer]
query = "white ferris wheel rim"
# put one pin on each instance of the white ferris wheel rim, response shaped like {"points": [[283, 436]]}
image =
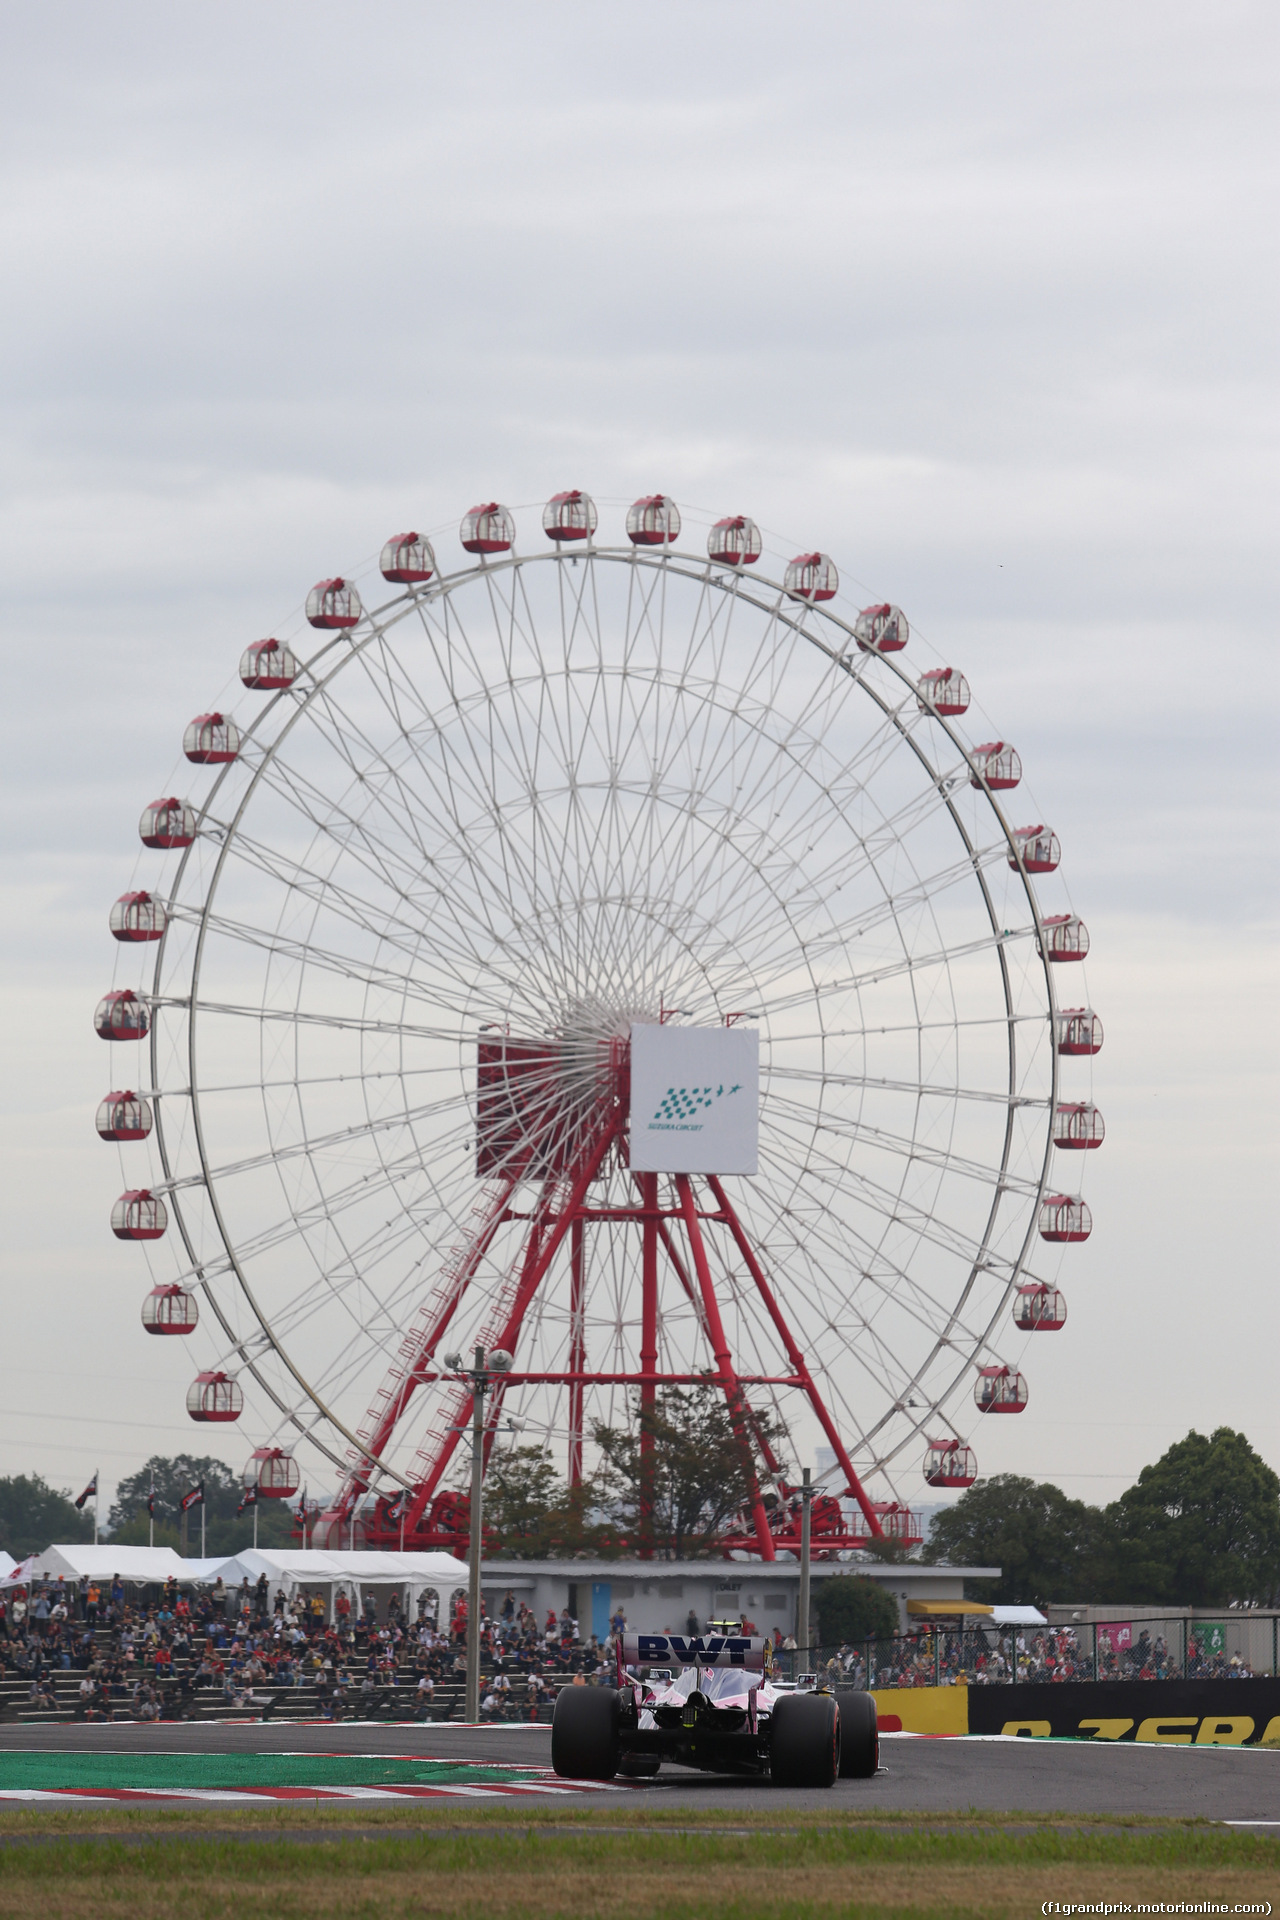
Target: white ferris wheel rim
{"points": [[890, 691]]}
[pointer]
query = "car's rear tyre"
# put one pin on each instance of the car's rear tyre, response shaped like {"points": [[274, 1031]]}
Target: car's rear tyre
{"points": [[584, 1733], [859, 1735], [804, 1743]]}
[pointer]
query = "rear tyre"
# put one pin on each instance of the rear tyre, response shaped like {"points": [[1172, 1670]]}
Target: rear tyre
{"points": [[859, 1735], [584, 1733], [804, 1744]]}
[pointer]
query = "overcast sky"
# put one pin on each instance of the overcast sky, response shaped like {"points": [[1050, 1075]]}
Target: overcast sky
{"points": [[978, 297]]}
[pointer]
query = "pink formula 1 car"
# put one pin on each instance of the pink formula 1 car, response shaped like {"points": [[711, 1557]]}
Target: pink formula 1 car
{"points": [[722, 1711]]}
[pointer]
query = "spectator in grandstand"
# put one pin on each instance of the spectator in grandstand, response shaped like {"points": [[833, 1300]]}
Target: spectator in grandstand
{"points": [[40, 1695]]}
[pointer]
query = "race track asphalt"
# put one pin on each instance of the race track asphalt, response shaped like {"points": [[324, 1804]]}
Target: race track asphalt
{"points": [[919, 1775]]}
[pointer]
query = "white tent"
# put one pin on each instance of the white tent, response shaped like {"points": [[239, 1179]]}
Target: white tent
{"points": [[77, 1561], [1018, 1617], [203, 1572], [7, 1564], [411, 1574]]}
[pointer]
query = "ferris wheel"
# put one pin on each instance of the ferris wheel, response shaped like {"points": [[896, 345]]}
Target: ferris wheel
{"points": [[457, 849]]}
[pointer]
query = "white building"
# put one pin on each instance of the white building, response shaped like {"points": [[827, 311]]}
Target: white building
{"points": [[657, 1594]]}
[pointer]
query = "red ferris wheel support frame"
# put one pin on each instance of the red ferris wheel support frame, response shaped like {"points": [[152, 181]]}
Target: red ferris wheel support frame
{"points": [[562, 1215]]}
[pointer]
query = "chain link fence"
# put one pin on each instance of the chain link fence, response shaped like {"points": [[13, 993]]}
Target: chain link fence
{"points": [[1153, 1647]]}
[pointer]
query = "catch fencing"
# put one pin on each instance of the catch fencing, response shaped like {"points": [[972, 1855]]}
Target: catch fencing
{"points": [[1152, 1647]]}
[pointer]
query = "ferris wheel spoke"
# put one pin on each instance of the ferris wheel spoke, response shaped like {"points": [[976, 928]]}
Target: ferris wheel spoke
{"points": [[341, 902], [899, 1146], [817, 1229], [342, 1282], [826, 1171], [402, 873], [308, 952], [292, 1016], [893, 1286], [923, 891], [455, 1103], [916, 1089], [328, 1210], [293, 1083], [912, 963]]}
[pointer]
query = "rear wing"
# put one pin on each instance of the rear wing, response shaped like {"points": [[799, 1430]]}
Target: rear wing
{"points": [[700, 1650]]}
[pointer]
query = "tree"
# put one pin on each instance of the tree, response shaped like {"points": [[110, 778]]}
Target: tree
{"points": [[531, 1514], [520, 1488], [1201, 1527], [33, 1515], [1044, 1544], [699, 1469], [176, 1475], [851, 1608]]}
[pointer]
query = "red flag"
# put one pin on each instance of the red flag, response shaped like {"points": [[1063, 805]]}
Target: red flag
{"points": [[194, 1498], [90, 1493]]}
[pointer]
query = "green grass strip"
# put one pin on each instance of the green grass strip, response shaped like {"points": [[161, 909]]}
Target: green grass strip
{"points": [[160, 1772], [499, 1853]]}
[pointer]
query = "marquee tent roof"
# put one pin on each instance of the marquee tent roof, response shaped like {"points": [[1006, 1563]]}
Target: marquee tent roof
{"points": [[289, 1567], [76, 1560]]}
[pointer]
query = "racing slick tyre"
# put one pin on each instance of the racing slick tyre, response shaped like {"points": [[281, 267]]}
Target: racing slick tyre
{"points": [[584, 1733], [804, 1745], [859, 1735]]}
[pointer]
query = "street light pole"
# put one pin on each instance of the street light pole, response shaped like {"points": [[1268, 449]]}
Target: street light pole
{"points": [[806, 1498], [479, 1382], [480, 1376]]}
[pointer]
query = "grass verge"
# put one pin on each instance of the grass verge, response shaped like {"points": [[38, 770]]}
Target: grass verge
{"points": [[523, 1865]]}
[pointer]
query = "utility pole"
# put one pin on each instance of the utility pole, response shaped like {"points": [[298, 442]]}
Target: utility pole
{"points": [[481, 1376], [479, 1382], [806, 1498], [97, 1482]]}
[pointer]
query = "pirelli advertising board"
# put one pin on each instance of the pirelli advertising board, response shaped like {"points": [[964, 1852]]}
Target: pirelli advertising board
{"points": [[1220, 1713]]}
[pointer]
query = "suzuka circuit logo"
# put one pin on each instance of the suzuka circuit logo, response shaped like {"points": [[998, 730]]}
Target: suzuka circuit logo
{"points": [[680, 1107]]}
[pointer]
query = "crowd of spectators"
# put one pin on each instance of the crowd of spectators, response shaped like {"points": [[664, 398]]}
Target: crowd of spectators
{"points": [[148, 1658], [987, 1657]]}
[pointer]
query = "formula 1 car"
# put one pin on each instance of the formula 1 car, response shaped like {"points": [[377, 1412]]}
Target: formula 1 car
{"points": [[722, 1712]]}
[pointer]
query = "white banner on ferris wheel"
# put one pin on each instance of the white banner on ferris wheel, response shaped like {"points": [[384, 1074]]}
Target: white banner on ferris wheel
{"points": [[695, 1099]]}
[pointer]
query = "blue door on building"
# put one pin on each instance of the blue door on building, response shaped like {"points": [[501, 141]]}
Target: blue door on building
{"points": [[601, 1592]]}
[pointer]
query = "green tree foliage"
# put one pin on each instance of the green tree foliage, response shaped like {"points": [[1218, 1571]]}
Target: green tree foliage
{"points": [[1202, 1526], [1042, 1541], [700, 1470], [33, 1515], [174, 1476], [530, 1513], [851, 1607]]}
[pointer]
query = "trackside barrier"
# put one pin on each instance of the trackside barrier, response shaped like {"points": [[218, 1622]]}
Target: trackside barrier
{"points": [[1232, 1713]]}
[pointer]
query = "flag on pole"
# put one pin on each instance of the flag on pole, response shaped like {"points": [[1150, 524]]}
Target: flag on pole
{"points": [[396, 1510], [193, 1498], [249, 1498], [151, 1498], [90, 1493]]}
